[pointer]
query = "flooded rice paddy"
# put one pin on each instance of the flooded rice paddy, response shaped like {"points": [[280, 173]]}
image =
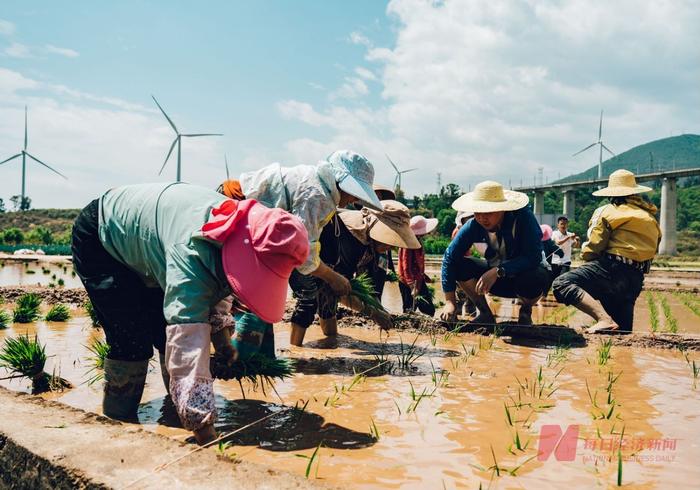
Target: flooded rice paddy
{"points": [[468, 411], [462, 411]]}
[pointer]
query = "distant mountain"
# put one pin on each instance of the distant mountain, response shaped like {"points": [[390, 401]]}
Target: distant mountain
{"points": [[676, 152]]}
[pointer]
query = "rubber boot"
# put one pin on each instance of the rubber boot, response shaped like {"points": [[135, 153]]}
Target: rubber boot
{"points": [[485, 314], [164, 372], [124, 383], [592, 307]]}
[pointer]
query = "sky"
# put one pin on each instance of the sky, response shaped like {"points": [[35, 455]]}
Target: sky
{"points": [[472, 90]]}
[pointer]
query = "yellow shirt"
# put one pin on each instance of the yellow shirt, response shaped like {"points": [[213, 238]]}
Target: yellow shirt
{"points": [[629, 230]]}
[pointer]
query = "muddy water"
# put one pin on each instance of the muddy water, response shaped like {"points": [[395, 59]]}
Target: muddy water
{"points": [[444, 439], [36, 273]]}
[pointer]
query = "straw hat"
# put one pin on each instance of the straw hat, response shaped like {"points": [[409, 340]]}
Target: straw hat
{"points": [[489, 197], [391, 226], [422, 225], [383, 192], [462, 218], [621, 183]]}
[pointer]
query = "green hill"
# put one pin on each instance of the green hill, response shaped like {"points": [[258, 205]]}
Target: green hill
{"points": [[56, 220], [674, 153]]}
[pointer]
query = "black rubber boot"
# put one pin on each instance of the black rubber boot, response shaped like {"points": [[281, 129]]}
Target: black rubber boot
{"points": [[124, 383]]}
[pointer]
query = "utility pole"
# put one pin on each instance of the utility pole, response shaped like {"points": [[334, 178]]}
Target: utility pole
{"points": [[439, 183]]}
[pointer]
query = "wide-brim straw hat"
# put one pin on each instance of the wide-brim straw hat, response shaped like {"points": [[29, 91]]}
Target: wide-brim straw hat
{"points": [[392, 226], [383, 192], [622, 183], [490, 197]]}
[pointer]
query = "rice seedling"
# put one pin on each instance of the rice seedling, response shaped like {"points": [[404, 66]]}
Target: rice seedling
{"points": [[30, 271], [690, 301], [391, 276], [25, 358], [258, 368], [440, 378], [696, 373], [653, 311], [99, 350], [4, 319], [417, 398], [373, 430], [61, 282], [315, 457], [58, 313], [27, 308], [671, 322], [363, 290], [603, 352], [559, 354], [409, 353], [90, 310], [486, 343]]}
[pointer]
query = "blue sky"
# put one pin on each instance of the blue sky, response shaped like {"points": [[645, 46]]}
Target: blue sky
{"points": [[474, 90]]}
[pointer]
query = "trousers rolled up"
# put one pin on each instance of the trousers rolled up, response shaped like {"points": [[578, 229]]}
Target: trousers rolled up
{"points": [[614, 284]]}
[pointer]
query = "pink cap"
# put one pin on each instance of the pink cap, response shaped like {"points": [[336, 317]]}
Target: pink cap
{"points": [[422, 225], [546, 232], [261, 248]]}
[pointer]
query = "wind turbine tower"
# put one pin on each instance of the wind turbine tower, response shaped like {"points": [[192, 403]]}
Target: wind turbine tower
{"points": [[178, 141], [399, 173], [601, 146], [24, 154]]}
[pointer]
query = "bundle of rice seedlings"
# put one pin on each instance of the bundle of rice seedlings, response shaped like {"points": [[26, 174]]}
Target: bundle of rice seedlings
{"points": [[91, 313], [258, 369], [4, 319], [391, 276], [25, 357], [27, 308], [58, 313], [363, 289], [99, 349]]}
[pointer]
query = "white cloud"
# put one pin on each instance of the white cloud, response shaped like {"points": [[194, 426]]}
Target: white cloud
{"points": [[7, 28], [67, 52], [17, 50], [496, 89], [98, 142], [365, 73]]}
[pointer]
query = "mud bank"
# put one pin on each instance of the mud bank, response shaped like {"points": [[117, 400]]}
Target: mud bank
{"points": [[75, 296], [48, 445]]}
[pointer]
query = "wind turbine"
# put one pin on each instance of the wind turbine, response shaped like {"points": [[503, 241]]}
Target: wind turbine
{"points": [[24, 154], [601, 145], [178, 141], [399, 173], [226, 163]]}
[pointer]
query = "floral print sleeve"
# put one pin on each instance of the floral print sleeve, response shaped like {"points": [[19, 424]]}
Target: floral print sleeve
{"points": [[191, 385]]}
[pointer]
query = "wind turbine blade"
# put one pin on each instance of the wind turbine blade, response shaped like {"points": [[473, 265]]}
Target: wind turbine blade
{"points": [[201, 134], [586, 148], [392, 163], [226, 162], [409, 170], [608, 150], [45, 165], [166, 116], [600, 128], [25, 128], [11, 158], [166, 158]]}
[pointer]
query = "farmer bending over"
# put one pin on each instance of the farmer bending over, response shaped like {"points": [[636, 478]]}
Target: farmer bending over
{"points": [[352, 243], [513, 265], [623, 237], [311, 193], [162, 265]]}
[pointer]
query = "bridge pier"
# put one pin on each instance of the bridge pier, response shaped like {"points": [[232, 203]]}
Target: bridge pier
{"points": [[570, 204], [669, 203], [539, 203]]}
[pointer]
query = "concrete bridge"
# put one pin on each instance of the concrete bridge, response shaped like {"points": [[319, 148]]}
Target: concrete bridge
{"points": [[669, 200]]}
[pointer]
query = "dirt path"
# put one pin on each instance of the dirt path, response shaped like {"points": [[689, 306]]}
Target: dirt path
{"points": [[47, 445]]}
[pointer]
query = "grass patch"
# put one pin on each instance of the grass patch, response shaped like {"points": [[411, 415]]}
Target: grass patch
{"points": [[58, 313], [27, 308], [4, 319]]}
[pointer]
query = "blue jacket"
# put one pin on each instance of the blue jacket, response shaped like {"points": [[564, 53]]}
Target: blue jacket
{"points": [[521, 234]]}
